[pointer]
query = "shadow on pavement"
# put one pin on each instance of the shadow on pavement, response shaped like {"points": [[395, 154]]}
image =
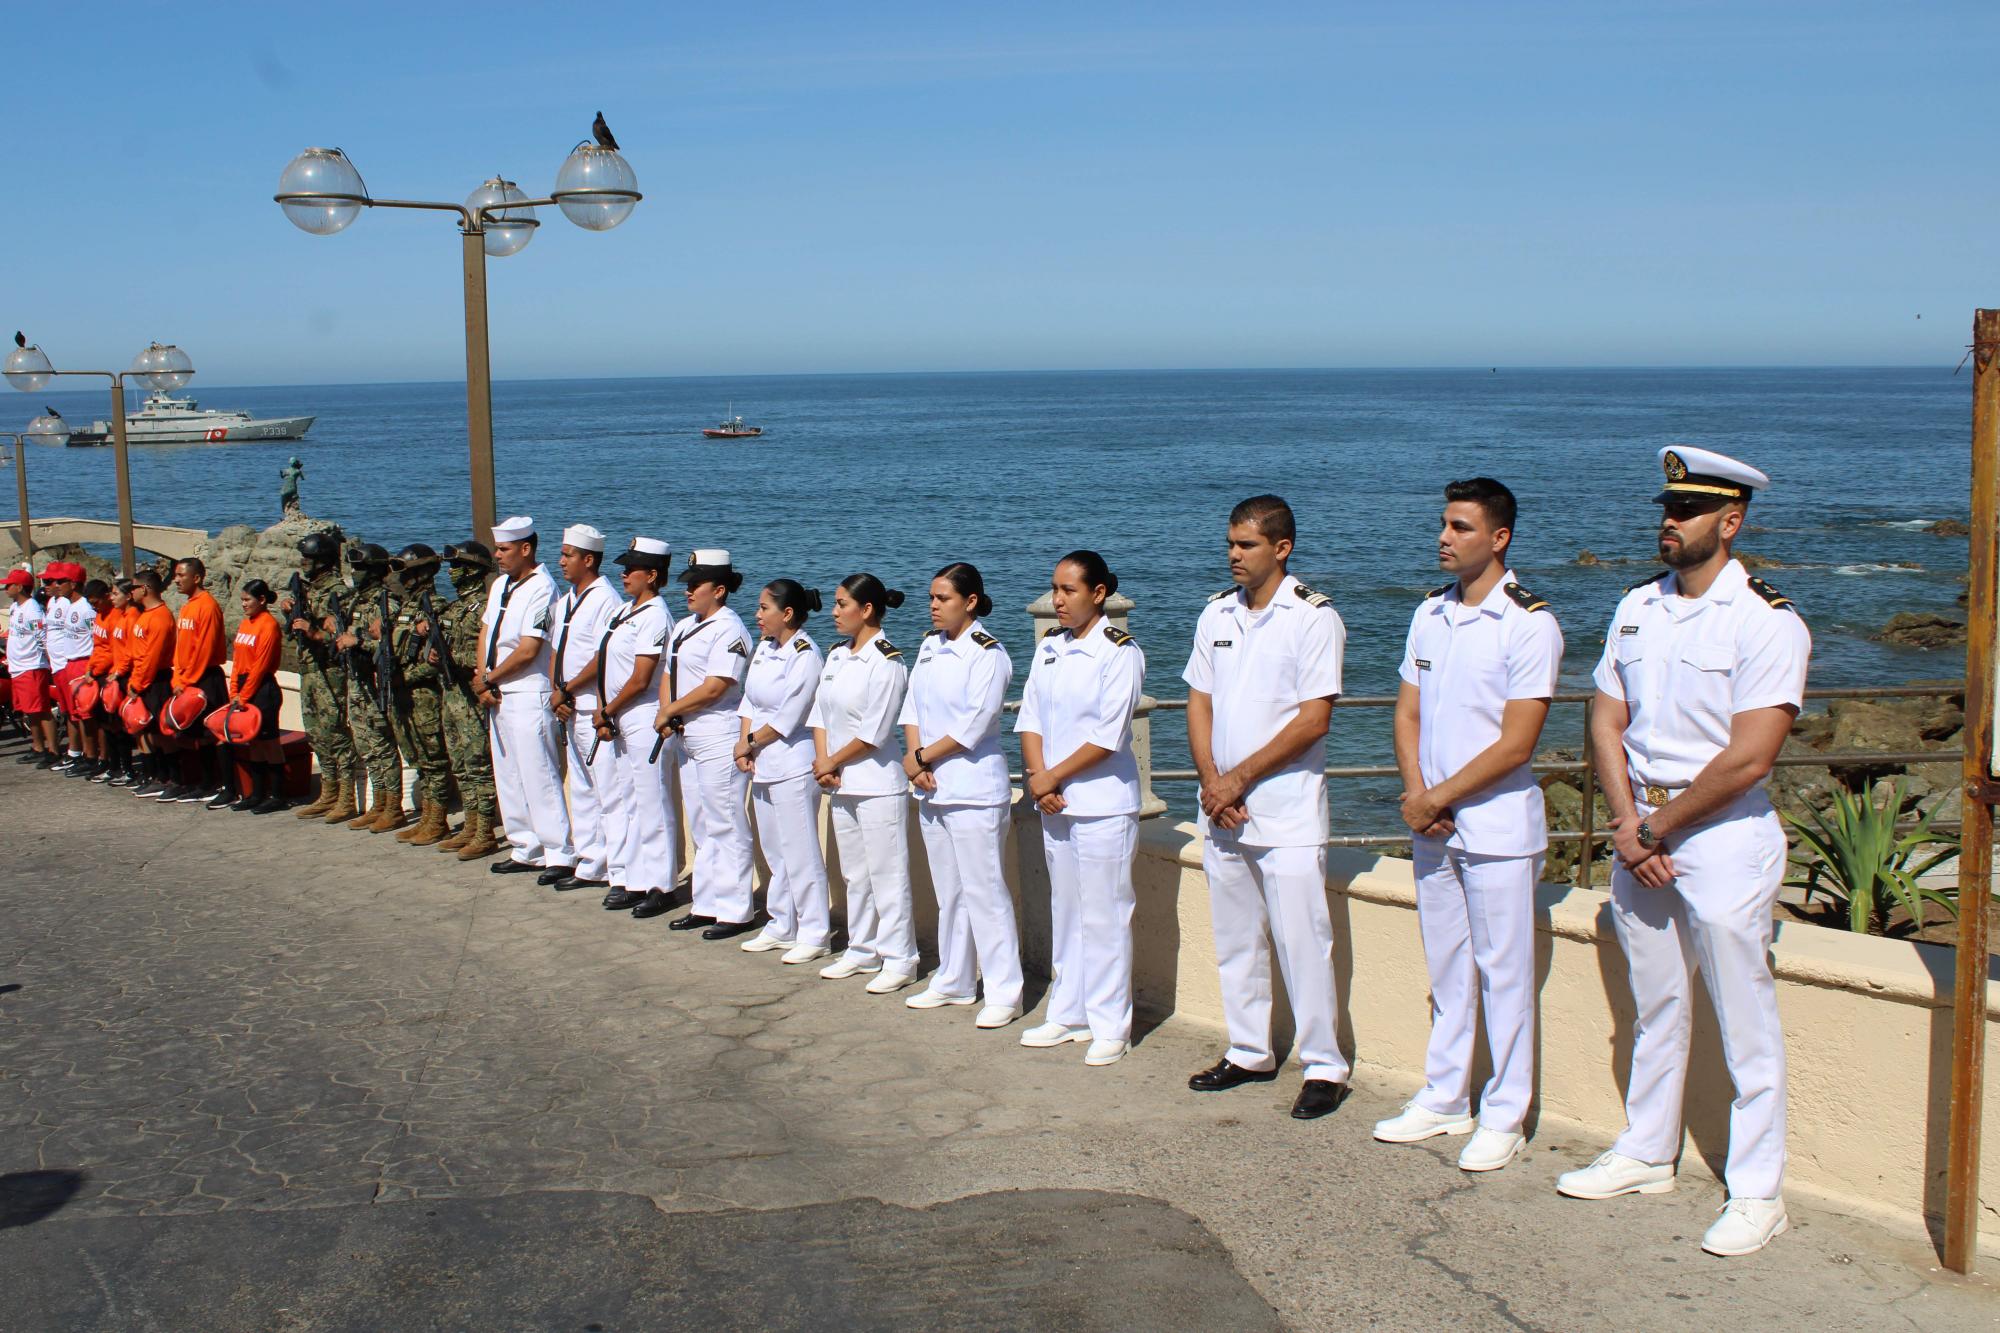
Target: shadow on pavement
{"points": [[26, 1197]]}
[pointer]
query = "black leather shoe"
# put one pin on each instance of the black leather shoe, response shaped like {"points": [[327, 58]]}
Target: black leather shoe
{"points": [[1222, 1076], [652, 905], [551, 875], [728, 930], [569, 882], [512, 867], [1318, 1097], [618, 900], [690, 921]]}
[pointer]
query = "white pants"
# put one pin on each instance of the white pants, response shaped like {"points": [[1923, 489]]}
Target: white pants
{"points": [[872, 833], [1282, 891], [714, 790], [641, 826], [587, 795], [1090, 911], [788, 830], [976, 931], [1715, 915], [527, 776], [1477, 914]]}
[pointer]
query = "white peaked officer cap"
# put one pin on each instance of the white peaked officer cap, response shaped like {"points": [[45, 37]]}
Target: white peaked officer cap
{"points": [[644, 553], [1703, 474], [709, 557], [516, 529], [583, 537], [650, 546]]}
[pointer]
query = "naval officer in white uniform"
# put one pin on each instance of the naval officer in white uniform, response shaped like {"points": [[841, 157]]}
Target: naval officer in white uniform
{"points": [[1479, 669], [578, 622], [1704, 669], [1261, 680], [775, 748], [511, 679], [642, 829]]}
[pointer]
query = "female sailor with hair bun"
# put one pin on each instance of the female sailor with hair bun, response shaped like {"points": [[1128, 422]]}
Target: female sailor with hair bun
{"points": [[951, 734], [853, 722], [776, 749]]}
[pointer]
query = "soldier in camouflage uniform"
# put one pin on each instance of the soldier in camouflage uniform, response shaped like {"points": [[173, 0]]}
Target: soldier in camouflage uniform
{"points": [[464, 720], [323, 676], [374, 732], [418, 691]]}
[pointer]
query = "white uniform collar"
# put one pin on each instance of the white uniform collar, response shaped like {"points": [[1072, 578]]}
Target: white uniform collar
{"points": [[1092, 643], [963, 643], [1494, 603], [1732, 580]]}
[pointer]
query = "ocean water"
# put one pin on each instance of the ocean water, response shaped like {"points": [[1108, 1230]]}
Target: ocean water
{"points": [[899, 474]]}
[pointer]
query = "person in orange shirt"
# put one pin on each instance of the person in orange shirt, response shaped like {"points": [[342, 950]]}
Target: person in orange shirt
{"points": [[123, 616], [198, 654], [152, 680], [253, 683]]}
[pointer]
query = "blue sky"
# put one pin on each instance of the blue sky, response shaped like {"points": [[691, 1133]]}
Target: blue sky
{"points": [[951, 187]]}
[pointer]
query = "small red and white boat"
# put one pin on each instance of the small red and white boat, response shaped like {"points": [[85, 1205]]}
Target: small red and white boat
{"points": [[732, 428]]}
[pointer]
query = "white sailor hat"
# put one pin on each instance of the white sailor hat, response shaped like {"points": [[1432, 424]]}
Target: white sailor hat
{"points": [[1703, 474], [516, 529], [644, 553], [583, 537]]}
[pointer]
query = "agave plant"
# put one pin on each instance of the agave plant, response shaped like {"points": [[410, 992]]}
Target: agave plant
{"points": [[1861, 863]]}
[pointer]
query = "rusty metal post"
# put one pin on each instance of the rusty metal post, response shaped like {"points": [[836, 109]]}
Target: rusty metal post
{"points": [[21, 493], [1589, 830], [127, 555], [1975, 862], [478, 388]]}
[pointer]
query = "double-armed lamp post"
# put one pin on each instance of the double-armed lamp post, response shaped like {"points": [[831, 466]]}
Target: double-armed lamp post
{"points": [[322, 193], [47, 429], [160, 366]]}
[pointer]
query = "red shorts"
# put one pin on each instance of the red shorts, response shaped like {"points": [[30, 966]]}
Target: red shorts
{"points": [[70, 674], [31, 691]]}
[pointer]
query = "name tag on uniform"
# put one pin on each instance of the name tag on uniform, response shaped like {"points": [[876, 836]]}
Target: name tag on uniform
{"points": [[1423, 664], [1628, 629], [1223, 643]]}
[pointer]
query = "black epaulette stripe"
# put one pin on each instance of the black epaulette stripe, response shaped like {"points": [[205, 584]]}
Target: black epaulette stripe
{"points": [[1216, 597], [1312, 598], [1770, 594], [1052, 631], [1439, 592], [801, 643], [1650, 578], [1526, 600], [1118, 636], [886, 648], [985, 640]]}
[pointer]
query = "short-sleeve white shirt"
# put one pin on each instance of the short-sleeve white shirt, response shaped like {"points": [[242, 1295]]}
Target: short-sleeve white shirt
{"points": [[1685, 666], [585, 614], [69, 622], [635, 630], [778, 693], [698, 649], [1258, 667], [1083, 691], [27, 637], [1468, 663], [511, 616], [859, 698], [957, 689]]}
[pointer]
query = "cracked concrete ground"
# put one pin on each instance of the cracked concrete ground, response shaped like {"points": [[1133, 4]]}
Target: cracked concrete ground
{"points": [[256, 1073]]}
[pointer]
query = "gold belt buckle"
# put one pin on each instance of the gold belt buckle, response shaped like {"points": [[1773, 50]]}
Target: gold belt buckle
{"points": [[1656, 794]]}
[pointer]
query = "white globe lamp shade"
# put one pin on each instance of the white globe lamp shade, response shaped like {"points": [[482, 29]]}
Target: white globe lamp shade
{"points": [[321, 192], [507, 230], [47, 430], [28, 369], [596, 188], [163, 366]]}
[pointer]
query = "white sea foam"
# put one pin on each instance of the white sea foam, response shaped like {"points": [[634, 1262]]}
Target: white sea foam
{"points": [[1909, 524], [1877, 569]]}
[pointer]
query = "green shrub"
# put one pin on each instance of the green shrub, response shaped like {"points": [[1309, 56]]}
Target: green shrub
{"points": [[1864, 867]]}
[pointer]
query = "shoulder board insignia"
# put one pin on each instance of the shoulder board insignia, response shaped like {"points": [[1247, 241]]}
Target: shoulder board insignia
{"points": [[740, 648], [1770, 594], [1216, 597], [1311, 598], [1118, 636], [984, 640], [1439, 592], [1650, 578], [1052, 631], [802, 643], [887, 649], [1526, 600]]}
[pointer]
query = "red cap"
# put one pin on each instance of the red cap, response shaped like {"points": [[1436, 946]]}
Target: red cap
{"points": [[18, 576]]}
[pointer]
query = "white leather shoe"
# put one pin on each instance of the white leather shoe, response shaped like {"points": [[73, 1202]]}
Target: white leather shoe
{"points": [[996, 1016], [936, 999], [889, 983], [1053, 1034], [1613, 1174], [1105, 1053], [805, 953], [1746, 1226], [1490, 1149], [1415, 1123], [840, 969], [763, 942]]}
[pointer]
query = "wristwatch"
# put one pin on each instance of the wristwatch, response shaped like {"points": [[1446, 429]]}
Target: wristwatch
{"points": [[1647, 838], [922, 762]]}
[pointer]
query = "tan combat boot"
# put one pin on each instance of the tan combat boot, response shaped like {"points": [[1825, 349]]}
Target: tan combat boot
{"points": [[432, 827], [378, 795], [422, 822], [343, 808], [329, 787], [392, 816], [481, 843], [456, 837]]}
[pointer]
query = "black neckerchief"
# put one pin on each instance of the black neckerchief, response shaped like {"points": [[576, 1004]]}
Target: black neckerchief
{"points": [[575, 600], [674, 658], [493, 644]]}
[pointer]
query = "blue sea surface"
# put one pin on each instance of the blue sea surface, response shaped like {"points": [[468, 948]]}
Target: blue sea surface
{"points": [[899, 474]]}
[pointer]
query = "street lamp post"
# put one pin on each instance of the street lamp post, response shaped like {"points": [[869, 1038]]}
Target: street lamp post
{"points": [[159, 366], [322, 193], [47, 429]]}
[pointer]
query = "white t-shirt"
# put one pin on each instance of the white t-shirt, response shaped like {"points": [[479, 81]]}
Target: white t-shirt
{"points": [[1468, 663], [636, 630], [778, 693], [860, 695], [957, 689], [1083, 692], [69, 622], [27, 637], [519, 608], [1258, 667], [583, 615], [696, 650]]}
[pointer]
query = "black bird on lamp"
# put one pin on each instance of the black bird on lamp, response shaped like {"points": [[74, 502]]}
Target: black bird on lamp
{"points": [[602, 133], [52, 412], [20, 338]]}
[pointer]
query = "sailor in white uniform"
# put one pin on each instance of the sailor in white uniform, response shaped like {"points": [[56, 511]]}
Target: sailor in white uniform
{"points": [[1076, 751], [1479, 669], [951, 740], [641, 827], [708, 655], [1262, 679], [578, 622], [511, 679], [776, 749], [1704, 669], [853, 719]]}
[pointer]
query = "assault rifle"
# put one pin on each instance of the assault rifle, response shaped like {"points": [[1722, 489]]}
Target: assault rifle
{"points": [[385, 660], [434, 637]]}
